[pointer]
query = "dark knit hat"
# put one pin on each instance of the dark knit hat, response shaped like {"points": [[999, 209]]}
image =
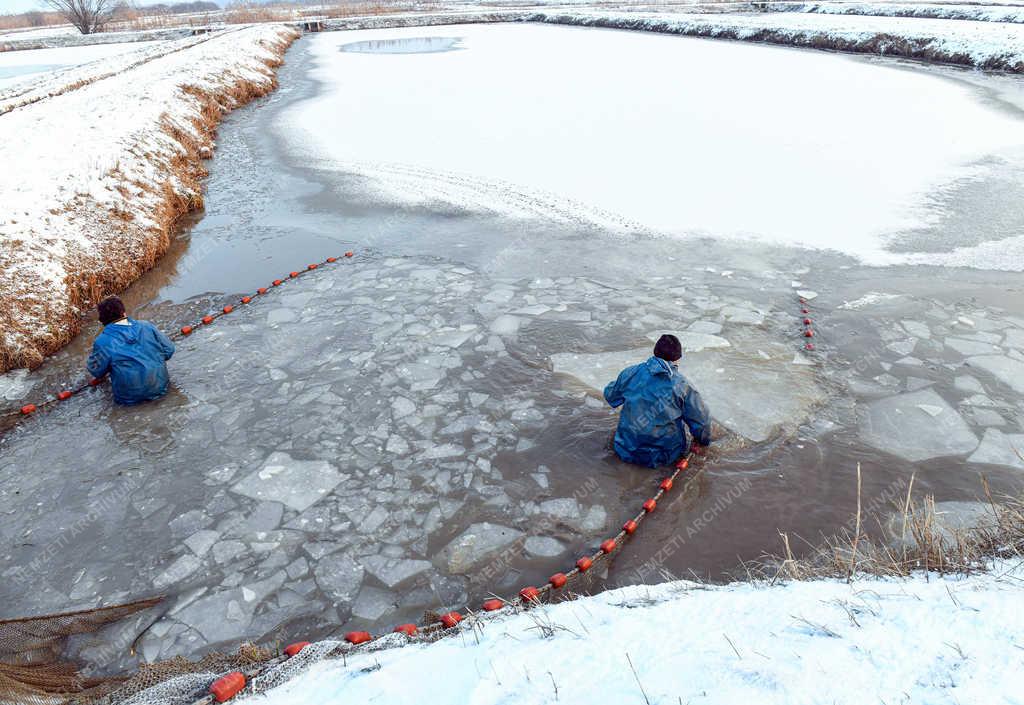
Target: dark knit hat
{"points": [[668, 348]]}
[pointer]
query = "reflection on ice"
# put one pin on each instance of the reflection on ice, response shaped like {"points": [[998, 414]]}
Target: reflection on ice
{"points": [[405, 45]]}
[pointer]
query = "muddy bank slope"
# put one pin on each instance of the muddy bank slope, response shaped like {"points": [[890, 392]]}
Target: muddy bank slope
{"points": [[98, 174]]}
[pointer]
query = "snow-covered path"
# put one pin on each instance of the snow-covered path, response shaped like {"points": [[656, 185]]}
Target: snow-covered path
{"points": [[933, 640]]}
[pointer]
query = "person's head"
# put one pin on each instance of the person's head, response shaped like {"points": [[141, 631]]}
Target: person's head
{"points": [[110, 309], [668, 348]]}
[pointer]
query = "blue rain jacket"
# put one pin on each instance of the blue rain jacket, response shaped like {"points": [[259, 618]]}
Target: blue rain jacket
{"points": [[134, 355], [656, 401]]}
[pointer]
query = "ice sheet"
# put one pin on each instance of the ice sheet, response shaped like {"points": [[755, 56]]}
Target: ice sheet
{"points": [[810, 158]]}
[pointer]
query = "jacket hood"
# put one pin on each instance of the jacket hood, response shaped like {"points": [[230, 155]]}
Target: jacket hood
{"points": [[128, 334], [656, 366]]}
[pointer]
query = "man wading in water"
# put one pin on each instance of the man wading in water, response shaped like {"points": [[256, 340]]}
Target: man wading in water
{"points": [[133, 352], [656, 402]]}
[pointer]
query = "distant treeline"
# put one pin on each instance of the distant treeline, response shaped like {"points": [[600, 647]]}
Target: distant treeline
{"points": [[179, 8]]}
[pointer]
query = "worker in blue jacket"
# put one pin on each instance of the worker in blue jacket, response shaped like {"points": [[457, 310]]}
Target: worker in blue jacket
{"points": [[134, 353], [657, 401]]}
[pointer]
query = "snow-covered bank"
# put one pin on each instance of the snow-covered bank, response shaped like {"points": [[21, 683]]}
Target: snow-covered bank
{"points": [[983, 45], [22, 66], [68, 37], [97, 171], [72, 68], [938, 11], [926, 639]]}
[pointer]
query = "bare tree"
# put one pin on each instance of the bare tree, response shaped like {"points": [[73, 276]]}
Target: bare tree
{"points": [[88, 16]]}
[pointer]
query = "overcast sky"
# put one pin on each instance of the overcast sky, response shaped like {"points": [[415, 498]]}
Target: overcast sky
{"points": [[14, 6], [9, 6]]}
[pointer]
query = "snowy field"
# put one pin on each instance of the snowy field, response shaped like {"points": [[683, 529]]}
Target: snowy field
{"points": [[19, 66], [924, 640], [730, 150], [987, 12]]}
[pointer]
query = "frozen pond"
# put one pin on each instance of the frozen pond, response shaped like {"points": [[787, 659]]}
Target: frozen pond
{"points": [[420, 426], [643, 133]]}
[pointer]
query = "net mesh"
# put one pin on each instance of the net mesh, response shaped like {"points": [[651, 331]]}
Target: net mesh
{"points": [[179, 680], [31, 669]]}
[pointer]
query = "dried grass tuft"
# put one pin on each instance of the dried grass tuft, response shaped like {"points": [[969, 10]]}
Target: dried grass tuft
{"points": [[925, 543]]}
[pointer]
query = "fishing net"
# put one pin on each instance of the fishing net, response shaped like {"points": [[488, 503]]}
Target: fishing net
{"points": [[31, 667]]}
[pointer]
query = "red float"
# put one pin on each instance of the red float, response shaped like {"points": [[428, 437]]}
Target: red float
{"points": [[608, 546], [228, 309], [683, 464], [809, 346], [312, 267], [246, 299], [450, 619], [261, 291], [649, 505], [293, 274], [666, 484], [332, 259], [28, 409], [491, 605], [807, 321], [358, 637], [186, 330], [207, 320], [557, 580], [276, 282], [529, 594], [629, 527], [64, 396], [584, 564], [350, 254], [808, 333], [95, 382], [295, 648], [227, 687], [407, 629]]}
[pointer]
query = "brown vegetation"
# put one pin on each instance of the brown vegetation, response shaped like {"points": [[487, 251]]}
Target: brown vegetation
{"points": [[923, 543]]}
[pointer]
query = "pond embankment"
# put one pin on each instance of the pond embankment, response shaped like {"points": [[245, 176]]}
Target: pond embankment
{"points": [[100, 170]]}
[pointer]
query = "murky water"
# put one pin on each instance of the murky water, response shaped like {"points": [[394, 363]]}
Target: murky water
{"points": [[324, 450]]}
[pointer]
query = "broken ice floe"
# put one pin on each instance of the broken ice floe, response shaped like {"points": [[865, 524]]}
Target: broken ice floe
{"points": [[915, 426], [998, 448], [296, 483], [476, 544]]}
